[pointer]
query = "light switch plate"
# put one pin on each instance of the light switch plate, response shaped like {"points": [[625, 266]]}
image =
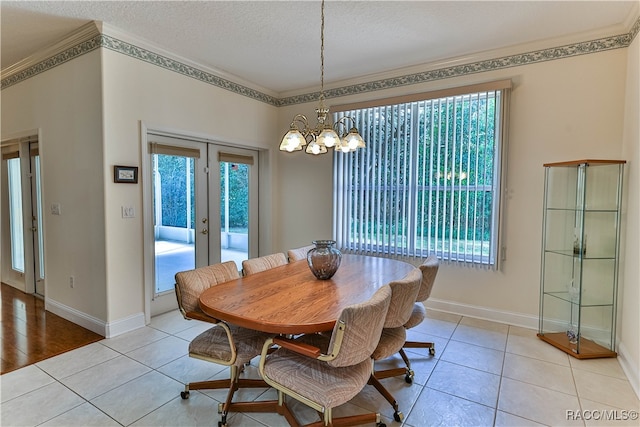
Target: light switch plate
{"points": [[56, 209], [128, 212]]}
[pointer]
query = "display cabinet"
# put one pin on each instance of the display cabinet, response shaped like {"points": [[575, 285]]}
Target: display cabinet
{"points": [[580, 253]]}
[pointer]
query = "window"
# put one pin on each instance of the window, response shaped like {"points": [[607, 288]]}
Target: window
{"points": [[429, 181]]}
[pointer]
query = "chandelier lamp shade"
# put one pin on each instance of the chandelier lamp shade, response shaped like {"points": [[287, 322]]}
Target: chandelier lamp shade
{"points": [[342, 136]]}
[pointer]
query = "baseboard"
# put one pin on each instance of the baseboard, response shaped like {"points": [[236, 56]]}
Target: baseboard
{"points": [[78, 317], [508, 317], [106, 329], [630, 369]]}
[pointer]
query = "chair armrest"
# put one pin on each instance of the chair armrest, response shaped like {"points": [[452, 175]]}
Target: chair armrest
{"points": [[196, 315], [298, 347]]}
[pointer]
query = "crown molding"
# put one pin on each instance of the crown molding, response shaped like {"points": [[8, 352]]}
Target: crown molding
{"points": [[96, 35]]}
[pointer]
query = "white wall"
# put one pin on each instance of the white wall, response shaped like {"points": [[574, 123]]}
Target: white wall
{"points": [[560, 110], [629, 326], [65, 104], [136, 91]]}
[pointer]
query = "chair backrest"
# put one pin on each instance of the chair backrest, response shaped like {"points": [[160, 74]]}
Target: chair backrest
{"points": [[362, 329], [403, 296], [191, 284], [429, 270], [299, 253], [256, 265]]}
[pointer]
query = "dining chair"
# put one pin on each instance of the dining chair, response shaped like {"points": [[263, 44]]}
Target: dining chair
{"points": [[298, 254], [325, 373], [266, 262], [428, 270], [403, 297], [224, 343]]}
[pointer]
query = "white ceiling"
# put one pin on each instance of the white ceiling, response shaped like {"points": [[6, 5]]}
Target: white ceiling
{"points": [[276, 44]]}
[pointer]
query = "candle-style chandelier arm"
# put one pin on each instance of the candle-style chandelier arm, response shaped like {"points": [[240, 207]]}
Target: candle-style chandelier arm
{"points": [[323, 135]]}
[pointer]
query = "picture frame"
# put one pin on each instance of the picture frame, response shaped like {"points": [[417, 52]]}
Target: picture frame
{"points": [[125, 174]]}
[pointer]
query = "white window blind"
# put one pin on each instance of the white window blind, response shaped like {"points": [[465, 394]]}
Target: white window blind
{"points": [[429, 181]]}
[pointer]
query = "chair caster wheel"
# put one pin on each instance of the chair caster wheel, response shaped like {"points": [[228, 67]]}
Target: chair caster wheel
{"points": [[381, 425], [184, 394], [432, 351], [408, 379], [398, 416]]}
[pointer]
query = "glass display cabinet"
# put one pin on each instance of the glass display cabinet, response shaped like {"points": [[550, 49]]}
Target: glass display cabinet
{"points": [[580, 252]]}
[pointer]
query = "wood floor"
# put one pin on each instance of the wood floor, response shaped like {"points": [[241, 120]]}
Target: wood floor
{"points": [[30, 334]]}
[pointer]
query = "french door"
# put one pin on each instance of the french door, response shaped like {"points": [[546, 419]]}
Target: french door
{"points": [[23, 268], [204, 205]]}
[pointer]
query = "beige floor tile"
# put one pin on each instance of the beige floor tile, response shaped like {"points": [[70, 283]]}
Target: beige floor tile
{"points": [[536, 348], [188, 369], [473, 356], [85, 415], [601, 415], [435, 408], [436, 326], [22, 381], [538, 372], [171, 322], [536, 403], [605, 389], [485, 324], [135, 399], [38, 406], [467, 383], [78, 360], [606, 366], [504, 419], [135, 339], [481, 336], [106, 376], [161, 352], [198, 410]]}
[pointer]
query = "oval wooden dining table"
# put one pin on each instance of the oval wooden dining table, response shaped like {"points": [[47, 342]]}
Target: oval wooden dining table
{"points": [[290, 300]]}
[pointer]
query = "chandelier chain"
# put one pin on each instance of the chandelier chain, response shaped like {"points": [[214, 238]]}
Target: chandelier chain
{"points": [[322, 52]]}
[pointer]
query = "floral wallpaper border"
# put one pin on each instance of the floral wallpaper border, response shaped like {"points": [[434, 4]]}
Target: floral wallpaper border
{"points": [[111, 43]]}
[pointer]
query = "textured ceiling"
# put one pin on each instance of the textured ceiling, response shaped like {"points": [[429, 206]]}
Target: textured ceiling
{"points": [[276, 44]]}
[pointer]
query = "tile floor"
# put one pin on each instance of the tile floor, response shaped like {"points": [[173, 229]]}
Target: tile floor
{"points": [[483, 374]]}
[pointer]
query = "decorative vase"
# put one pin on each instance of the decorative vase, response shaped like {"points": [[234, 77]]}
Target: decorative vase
{"points": [[324, 259]]}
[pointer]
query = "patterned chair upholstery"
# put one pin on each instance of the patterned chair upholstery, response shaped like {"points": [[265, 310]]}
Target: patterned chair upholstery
{"points": [[403, 297], [429, 270], [224, 344], [325, 372], [299, 253], [256, 265]]}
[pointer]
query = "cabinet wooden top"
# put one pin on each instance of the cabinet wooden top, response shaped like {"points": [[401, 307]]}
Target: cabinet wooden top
{"points": [[586, 161]]}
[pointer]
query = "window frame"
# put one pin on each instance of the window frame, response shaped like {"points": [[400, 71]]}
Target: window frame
{"points": [[343, 204]]}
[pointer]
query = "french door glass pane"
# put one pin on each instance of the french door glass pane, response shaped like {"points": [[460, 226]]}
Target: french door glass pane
{"points": [[15, 215], [234, 212], [174, 218]]}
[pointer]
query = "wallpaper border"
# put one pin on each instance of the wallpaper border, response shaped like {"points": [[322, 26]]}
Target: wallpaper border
{"points": [[142, 54]]}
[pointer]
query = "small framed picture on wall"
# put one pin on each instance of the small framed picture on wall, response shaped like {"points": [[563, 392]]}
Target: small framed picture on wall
{"points": [[125, 174]]}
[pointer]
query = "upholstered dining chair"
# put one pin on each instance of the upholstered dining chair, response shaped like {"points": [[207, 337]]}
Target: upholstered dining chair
{"points": [[325, 373], [224, 344], [403, 296], [263, 263], [429, 270], [299, 253]]}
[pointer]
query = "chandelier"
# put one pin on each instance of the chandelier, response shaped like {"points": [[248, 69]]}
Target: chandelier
{"points": [[324, 135]]}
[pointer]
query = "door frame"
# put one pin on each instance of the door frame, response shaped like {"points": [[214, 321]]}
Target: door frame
{"points": [[147, 201], [27, 280]]}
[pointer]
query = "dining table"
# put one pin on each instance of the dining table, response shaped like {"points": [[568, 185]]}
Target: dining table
{"points": [[290, 300]]}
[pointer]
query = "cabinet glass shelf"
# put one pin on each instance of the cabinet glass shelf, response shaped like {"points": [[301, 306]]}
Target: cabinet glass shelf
{"points": [[580, 253]]}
